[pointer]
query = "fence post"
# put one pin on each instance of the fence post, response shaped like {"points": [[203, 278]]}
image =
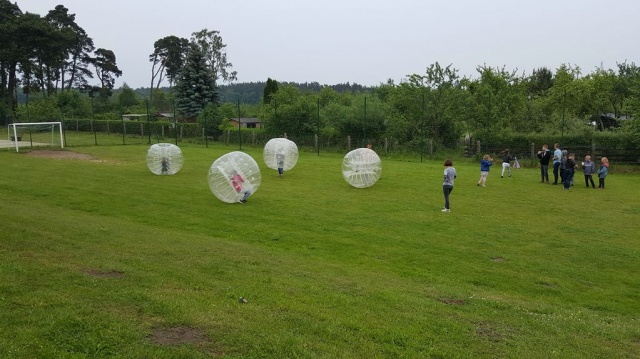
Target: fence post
{"points": [[162, 131], [430, 148], [478, 149], [533, 150], [181, 131], [253, 138], [228, 135], [108, 132], [203, 133], [348, 143], [316, 141]]}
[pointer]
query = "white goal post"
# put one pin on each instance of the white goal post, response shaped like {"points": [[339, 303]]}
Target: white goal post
{"points": [[14, 132]]}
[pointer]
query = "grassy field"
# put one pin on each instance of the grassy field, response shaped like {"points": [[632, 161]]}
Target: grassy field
{"points": [[99, 258]]}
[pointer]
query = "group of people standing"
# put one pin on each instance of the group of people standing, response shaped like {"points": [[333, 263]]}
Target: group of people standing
{"points": [[564, 166]]}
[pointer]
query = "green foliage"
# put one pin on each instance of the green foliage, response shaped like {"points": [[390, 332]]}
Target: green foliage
{"points": [[270, 88], [73, 104], [210, 45], [195, 88], [127, 98], [211, 120], [41, 110], [168, 59]]}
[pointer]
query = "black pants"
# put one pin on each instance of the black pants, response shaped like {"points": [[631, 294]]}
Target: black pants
{"points": [[556, 168], [447, 191], [544, 172], [587, 179], [600, 182], [567, 176]]}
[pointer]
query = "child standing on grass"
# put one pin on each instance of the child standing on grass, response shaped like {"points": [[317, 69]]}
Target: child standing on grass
{"points": [[485, 165], [603, 171], [506, 162], [569, 169], [544, 155], [588, 168], [447, 185]]}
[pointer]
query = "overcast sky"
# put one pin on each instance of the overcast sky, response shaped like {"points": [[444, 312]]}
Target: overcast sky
{"points": [[365, 41]]}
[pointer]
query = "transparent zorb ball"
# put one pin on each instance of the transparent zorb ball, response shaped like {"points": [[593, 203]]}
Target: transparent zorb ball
{"points": [[234, 176], [280, 149], [361, 168], [164, 159]]}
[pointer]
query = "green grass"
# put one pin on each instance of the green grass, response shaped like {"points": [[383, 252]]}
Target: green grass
{"points": [[518, 269]]}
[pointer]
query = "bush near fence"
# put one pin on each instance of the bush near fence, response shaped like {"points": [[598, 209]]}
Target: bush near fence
{"points": [[622, 148]]}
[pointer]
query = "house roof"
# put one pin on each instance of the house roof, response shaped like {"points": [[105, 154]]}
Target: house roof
{"points": [[135, 115], [246, 120]]}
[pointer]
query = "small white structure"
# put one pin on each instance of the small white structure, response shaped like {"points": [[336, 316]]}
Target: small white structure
{"points": [[164, 159], [234, 176], [361, 168], [280, 149]]}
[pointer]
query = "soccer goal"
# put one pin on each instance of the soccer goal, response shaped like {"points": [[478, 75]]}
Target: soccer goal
{"points": [[40, 129]]}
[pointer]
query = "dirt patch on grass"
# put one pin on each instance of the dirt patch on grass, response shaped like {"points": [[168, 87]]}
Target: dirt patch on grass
{"points": [[104, 274], [178, 335], [59, 155], [497, 259], [452, 301], [487, 330]]}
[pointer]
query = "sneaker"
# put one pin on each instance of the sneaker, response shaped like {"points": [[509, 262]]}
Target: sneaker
{"points": [[243, 201], [501, 176], [478, 184], [484, 186], [445, 210]]}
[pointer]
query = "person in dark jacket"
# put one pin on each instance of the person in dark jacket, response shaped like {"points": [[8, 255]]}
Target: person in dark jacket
{"points": [[545, 156], [569, 169], [506, 162]]}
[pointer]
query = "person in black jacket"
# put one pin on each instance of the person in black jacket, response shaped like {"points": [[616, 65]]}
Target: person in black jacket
{"points": [[569, 168], [545, 156]]}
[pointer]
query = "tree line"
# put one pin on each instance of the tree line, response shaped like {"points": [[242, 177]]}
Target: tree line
{"points": [[52, 58], [48, 54]]}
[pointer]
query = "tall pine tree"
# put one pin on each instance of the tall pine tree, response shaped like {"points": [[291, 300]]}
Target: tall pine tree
{"points": [[196, 86], [270, 88]]}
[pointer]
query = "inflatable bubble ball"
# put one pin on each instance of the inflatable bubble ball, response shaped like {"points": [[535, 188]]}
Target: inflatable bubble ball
{"points": [[280, 150], [361, 168], [164, 159], [234, 177]]}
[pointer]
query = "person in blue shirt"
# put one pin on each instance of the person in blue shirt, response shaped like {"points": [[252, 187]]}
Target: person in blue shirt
{"points": [[557, 159], [447, 185], [603, 171], [485, 165]]}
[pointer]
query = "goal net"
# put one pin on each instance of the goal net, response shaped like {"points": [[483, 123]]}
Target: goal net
{"points": [[35, 134]]}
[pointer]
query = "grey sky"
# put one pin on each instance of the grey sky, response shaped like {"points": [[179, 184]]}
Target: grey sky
{"points": [[365, 41]]}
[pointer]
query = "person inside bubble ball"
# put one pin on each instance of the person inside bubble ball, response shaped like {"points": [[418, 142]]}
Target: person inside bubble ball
{"points": [[164, 165], [237, 182], [280, 161]]}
